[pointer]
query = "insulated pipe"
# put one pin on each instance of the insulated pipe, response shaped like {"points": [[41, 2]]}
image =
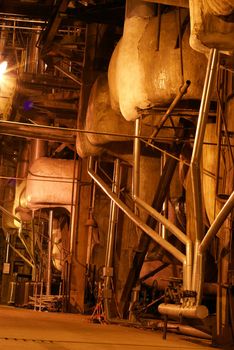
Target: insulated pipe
{"points": [[174, 310], [23, 162], [137, 221], [39, 148], [199, 138], [219, 7], [179, 234], [50, 231], [183, 329], [42, 132], [108, 269], [219, 220], [197, 279]]}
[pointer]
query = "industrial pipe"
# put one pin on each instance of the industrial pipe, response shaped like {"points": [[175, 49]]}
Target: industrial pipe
{"points": [[7, 247], [182, 91], [9, 214], [162, 228], [199, 138], [113, 212], [28, 250], [137, 221], [68, 74], [32, 131], [197, 278], [22, 256], [179, 234], [183, 329], [174, 310], [91, 224], [74, 197], [108, 269], [219, 220]]}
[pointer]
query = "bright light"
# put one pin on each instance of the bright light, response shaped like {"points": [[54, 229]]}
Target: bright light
{"points": [[3, 67]]}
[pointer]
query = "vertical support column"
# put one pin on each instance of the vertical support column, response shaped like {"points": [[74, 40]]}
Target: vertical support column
{"points": [[33, 244], [50, 230], [6, 273], [91, 224], [79, 255], [135, 194], [80, 238], [136, 160]]}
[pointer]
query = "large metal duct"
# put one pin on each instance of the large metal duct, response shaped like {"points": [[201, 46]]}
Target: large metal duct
{"points": [[219, 7], [142, 74], [19, 208], [50, 184], [211, 25]]}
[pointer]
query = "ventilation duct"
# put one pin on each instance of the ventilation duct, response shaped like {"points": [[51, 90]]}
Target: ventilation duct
{"points": [[142, 72], [211, 25], [50, 184]]}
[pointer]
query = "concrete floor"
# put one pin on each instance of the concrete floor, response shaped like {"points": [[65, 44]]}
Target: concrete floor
{"points": [[32, 330]]}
